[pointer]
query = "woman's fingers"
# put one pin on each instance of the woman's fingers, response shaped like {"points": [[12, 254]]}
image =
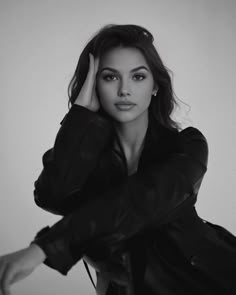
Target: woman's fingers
{"points": [[91, 72], [18, 265], [87, 96], [3, 266], [10, 275], [6, 279], [96, 65]]}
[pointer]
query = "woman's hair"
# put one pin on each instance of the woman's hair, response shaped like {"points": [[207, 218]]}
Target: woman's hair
{"points": [[112, 36]]}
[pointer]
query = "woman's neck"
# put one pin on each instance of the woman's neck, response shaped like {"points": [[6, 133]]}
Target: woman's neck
{"points": [[131, 135]]}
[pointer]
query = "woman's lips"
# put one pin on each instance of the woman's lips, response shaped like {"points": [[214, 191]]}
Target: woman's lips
{"points": [[124, 106]]}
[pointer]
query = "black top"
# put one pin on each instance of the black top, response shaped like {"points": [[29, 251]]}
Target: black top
{"points": [[141, 232]]}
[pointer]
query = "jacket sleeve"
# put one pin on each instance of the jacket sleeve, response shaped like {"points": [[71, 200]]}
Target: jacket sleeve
{"points": [[146, 199], [79, 142]]}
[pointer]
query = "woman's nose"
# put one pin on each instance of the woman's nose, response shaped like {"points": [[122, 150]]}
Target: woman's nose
{"points": [[124, 93], [124, 89]]}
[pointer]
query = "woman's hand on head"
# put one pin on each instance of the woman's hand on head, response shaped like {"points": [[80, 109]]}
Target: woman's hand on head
{"points": [[18, 265], [87, 96]]}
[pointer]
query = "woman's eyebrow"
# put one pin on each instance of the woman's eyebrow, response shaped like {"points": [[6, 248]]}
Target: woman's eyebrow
{"points": [[116, 71]]}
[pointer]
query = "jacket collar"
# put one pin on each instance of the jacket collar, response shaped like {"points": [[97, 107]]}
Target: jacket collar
{"points": [[159, 141]]}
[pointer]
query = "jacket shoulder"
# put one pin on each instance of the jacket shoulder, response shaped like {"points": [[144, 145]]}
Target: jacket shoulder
{"points": [[192, 133], [194, 143]]}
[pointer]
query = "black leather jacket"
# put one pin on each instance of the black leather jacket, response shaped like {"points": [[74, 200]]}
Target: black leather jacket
{"points": [[141, 232]]}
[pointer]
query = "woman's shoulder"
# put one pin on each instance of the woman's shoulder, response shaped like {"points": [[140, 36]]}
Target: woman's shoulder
{"points": [[188, 135], [192, 132], [193, 142]]}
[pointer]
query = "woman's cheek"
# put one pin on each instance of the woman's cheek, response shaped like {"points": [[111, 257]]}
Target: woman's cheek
{"points": [[102, 89], [102, 94], [107, 91]]}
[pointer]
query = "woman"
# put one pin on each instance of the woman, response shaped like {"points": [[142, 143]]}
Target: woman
{"points": [[125, 178]]}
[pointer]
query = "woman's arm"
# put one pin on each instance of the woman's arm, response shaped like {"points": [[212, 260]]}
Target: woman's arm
{"points": [[147, 199], [66, 167], [17, 265]]}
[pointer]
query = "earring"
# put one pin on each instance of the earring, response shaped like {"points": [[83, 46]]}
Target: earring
{"points": [[155, 93]]}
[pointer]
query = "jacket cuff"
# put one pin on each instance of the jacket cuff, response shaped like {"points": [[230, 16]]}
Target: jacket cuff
{"points": [[57, 255], [84, 115]]}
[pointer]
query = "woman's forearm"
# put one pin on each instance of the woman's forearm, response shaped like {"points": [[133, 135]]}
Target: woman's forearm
{"points": [[74, 156]]}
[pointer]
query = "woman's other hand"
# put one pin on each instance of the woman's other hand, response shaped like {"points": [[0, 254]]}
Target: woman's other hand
{"points": [[87, 96], [18, 265]]}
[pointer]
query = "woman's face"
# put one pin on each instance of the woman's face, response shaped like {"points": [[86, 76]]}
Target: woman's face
{"points": [[124, 77]]}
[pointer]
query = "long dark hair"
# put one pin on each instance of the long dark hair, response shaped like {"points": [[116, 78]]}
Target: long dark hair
{"points": [[111, 36]]}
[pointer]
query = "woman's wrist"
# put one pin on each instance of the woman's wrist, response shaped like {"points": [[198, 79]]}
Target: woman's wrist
{"points": [[38, 252]]}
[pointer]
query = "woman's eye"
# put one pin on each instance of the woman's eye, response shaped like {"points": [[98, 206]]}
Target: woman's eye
{"points": [[139, 77], [109, 77]]}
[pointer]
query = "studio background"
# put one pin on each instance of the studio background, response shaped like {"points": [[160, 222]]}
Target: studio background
{"points": [[40, 43]]}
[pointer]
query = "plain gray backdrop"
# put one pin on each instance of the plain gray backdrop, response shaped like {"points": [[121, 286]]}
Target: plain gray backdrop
{"points": [[40, 44]]}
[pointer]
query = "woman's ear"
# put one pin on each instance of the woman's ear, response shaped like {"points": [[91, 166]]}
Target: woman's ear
{"points": [[155, 90]]}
